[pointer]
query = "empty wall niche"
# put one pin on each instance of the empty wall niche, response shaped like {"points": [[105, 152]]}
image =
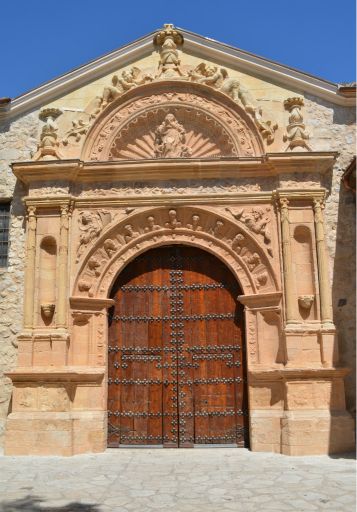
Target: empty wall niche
{"points": [[47, 280], [303, 257]]}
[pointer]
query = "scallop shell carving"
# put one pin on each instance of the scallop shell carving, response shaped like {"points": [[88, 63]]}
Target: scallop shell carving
{"points": [[204, 136]]}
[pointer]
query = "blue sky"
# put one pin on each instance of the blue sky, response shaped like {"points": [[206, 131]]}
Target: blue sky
{"points": [[40, 40]]}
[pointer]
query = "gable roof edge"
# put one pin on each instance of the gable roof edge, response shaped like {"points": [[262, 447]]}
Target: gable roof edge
{"points": [[205, 47]]}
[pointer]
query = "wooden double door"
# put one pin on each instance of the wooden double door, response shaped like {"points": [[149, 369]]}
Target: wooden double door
{"points": [[175, 375]]}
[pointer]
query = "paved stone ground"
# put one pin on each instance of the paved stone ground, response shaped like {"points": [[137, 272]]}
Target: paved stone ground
{"points": [[198, 480]]}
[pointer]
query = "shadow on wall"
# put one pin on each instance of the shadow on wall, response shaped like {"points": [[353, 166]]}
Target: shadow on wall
{"points": [[33, 504], [343, 291]]}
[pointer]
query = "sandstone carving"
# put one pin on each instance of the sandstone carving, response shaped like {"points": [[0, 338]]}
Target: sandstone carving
{"points": [[128, 79], [252, 260], [48, 146], [256, 219], [227, 186], [261, 279], [238, 244], [85, 286], [90, 226], [47, 310], [94, 265], [296, 134], [79, 128], [211, 129], [173, 223], [217, 229], [195, 226], [168, 40], [151, 225], [170, 138], [110, 247], [216, 77], [306, 301], [129, 233]]}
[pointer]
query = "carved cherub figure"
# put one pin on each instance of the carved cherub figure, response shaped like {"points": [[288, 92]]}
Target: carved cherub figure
{"points": [[129, 233], [195, 226], [151, 225], [257, 220], [252, 260], [93, 266], [218, 78], [238, 244], [217, 230], [173, 222], [129, 79], [110, 247]]}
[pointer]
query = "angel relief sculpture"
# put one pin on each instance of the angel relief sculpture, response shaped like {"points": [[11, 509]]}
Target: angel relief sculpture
{"points": [[128, 79], [218, 78]]}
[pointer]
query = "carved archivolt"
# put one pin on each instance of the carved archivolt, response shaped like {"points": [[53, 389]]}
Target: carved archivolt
{"points": [[123, 241], [203, 124]]}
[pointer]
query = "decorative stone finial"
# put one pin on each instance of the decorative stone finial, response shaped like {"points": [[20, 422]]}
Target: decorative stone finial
{"points": [[296, 134], [168, 39], [168, 30], [48, 146]]}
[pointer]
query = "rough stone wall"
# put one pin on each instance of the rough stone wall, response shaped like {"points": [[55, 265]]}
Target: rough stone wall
{"points": [[18, 140], [333, 128]]}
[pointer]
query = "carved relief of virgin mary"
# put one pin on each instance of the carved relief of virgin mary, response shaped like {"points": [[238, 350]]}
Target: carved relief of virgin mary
{"points": [[170, 138]]}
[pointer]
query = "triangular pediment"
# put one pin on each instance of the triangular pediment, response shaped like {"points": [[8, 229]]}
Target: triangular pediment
{"points": [[226, 102], [197, 48]]}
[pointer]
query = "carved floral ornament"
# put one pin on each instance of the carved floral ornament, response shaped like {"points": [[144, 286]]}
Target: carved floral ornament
{"points": [[120, 242], [171, 69]]}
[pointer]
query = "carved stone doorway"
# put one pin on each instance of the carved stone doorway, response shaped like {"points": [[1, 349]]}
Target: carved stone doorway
{"points": [[176, 353]]}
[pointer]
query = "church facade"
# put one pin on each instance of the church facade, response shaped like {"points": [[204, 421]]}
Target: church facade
{"points": [[179, 267]]}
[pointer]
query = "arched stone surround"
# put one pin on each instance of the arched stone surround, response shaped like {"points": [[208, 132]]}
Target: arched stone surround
{"points": [[212, 114], [295, 386]]}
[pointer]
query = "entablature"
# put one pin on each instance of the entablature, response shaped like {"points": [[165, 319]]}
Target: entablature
{"points": [[78, 171]]}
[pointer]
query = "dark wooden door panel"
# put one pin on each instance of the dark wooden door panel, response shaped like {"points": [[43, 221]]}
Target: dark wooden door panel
{"points": [[175, 352]]}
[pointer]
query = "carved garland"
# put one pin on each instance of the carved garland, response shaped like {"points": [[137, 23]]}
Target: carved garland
{"points": [[123, 242]]}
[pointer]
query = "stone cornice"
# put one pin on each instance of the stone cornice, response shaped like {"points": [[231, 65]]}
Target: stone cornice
{"points": [[271, 164], [260, 373], [195, 44], [83, 374]]}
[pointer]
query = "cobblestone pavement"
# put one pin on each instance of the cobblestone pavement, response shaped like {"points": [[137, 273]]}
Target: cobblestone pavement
{"points": [[207, 480]]}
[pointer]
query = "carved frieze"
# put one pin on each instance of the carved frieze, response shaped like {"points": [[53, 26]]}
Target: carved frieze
{"points": [[185, 187]]}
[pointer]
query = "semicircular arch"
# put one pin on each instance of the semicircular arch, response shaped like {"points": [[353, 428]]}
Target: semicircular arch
{"points": [[213, 125], [153, 227]]}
